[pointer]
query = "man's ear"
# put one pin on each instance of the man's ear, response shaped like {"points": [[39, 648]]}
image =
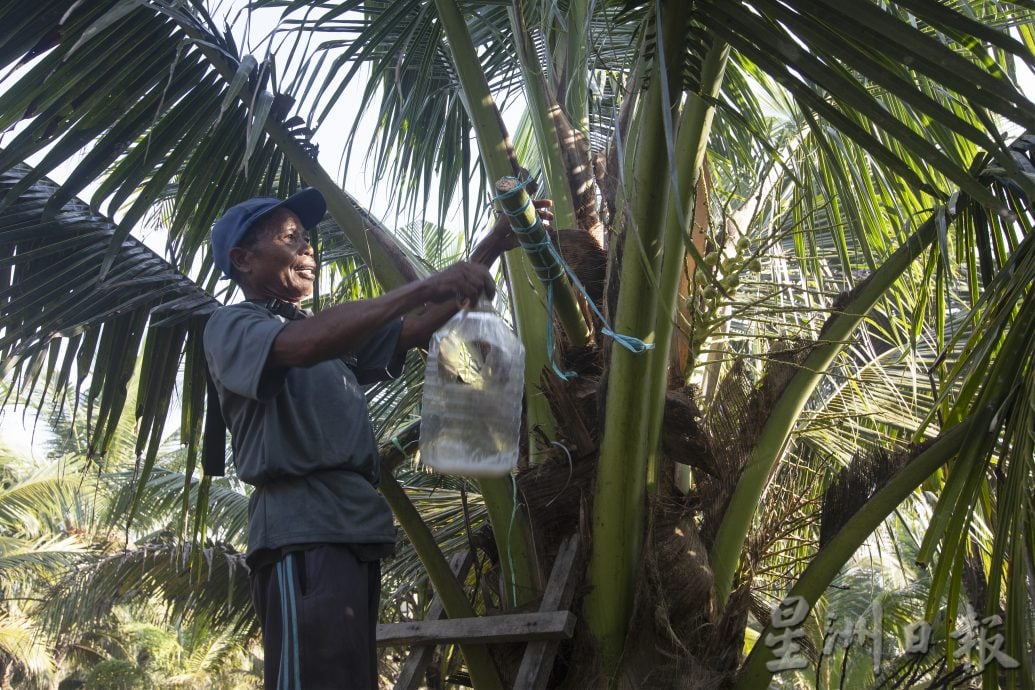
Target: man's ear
{"points": [[240, 260]]}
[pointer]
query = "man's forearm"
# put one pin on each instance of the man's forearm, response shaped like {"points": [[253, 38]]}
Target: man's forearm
{"points": [[343, 328], [418, 326], [487, 251]]}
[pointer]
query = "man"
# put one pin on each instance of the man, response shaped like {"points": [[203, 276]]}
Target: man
{"points": [[290, 388]]}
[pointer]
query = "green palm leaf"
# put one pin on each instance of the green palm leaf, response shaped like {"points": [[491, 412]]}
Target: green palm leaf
{"points": [[55, 293], [158, 573]]}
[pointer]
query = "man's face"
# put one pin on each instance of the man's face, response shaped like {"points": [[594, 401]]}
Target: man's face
{"points": [[280, 264]]}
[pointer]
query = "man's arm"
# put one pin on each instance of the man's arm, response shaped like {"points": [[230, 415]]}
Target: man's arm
{"points": [[418, 327], [341, 329]]}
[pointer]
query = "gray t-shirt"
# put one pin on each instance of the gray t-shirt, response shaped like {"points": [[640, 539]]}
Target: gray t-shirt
{"points": [[301, 435]]}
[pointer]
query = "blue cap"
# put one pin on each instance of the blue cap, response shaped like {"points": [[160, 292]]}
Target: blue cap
{"points": [[308, 205]]}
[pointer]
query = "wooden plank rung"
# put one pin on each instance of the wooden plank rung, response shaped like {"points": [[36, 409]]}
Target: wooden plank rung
{"points": [[509, 627]]}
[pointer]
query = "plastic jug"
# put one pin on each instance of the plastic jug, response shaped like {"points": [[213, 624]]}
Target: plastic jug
{"points": [[471, 410]]}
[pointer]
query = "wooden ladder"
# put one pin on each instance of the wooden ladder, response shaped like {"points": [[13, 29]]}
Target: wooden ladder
{"points": [[542, 630]]}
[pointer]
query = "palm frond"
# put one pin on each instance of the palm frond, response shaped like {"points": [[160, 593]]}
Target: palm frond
{"points": [[157, 572], [22, 648], [161, 498], [62, 321], [45, 558], [42, 501], [169, 116]]}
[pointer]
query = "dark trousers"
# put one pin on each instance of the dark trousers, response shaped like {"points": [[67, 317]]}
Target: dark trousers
{"points": [[318, 612]]}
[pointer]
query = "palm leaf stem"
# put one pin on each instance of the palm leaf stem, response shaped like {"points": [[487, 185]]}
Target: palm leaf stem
{"points": [[690, 148], [541, 106], [493, 140], [518, 561], [570, 109], [955, 442], [834, 337], [575, 76], [619, 501], [479, 662], [498, 159]]}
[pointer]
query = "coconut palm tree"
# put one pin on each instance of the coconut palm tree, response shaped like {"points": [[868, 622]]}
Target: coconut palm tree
{"points": [[808, 228], [38, 544], [90, 599]]}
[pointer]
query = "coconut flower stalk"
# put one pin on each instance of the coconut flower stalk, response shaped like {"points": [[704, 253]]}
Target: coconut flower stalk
{"points": [[515, 202]]}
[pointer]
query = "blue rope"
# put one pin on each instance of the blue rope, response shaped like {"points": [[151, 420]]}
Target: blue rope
{"points": [[399, 446], [550, 258]]}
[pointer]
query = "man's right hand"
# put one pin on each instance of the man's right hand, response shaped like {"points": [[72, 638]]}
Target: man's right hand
{"points": [[464, 282]]}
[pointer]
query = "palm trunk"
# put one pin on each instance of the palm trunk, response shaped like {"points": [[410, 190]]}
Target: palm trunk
{"points": [[619, 501]]}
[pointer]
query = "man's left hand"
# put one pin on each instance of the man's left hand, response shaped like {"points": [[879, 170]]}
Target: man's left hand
{"points": [[503, 237]]}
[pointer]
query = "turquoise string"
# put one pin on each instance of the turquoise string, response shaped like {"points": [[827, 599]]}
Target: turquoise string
{"points": [[545, 249], [398, 446]]}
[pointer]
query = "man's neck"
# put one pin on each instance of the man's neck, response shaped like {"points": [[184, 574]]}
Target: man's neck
{"points": [[253, 295]]}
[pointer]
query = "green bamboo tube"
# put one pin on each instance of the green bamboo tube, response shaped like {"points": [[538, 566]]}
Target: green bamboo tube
{"points": [[515, 202]]}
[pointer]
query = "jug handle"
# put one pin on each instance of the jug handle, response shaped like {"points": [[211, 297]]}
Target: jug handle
{"points": [[464, 305]]}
